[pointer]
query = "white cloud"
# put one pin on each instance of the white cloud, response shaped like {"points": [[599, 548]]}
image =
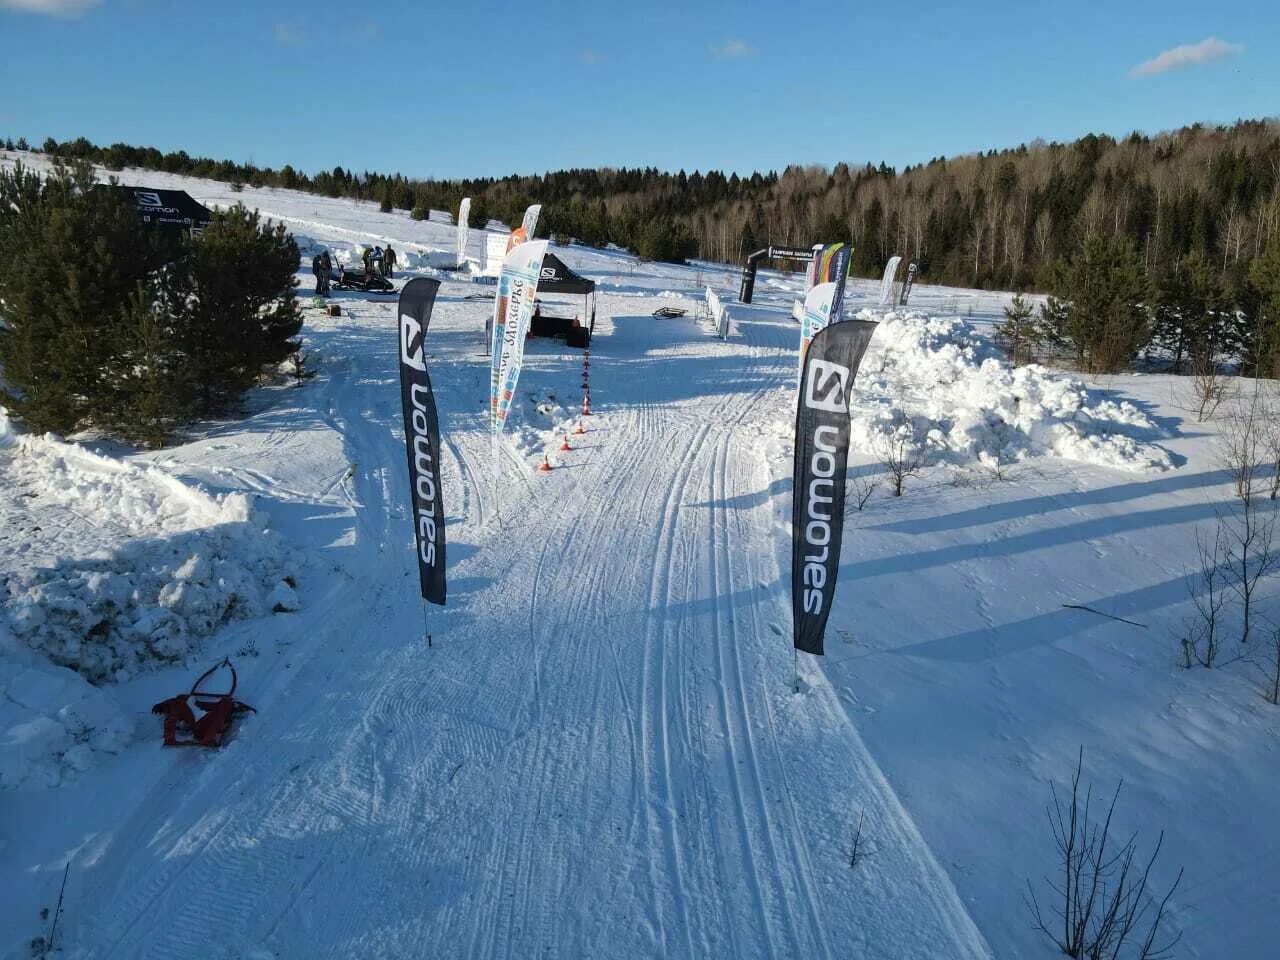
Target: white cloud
{"points": [[732, 49], [1187, 55], [53, 8], [288, 36]]}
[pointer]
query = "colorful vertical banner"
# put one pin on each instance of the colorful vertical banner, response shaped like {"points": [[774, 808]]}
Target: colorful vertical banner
{"points": [[811, 276], [422, 436], [827, 261], [464, 223], [824, 303], [512, 311], [818, 475]]}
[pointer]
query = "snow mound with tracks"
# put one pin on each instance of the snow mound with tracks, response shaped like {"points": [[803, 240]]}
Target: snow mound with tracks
{"points": [[162, 564], [110, 568], [934, 383]]}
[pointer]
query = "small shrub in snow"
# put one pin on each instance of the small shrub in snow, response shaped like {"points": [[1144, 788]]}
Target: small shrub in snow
{"points": [[1202, 638], [1100, 905], [902, 454]]}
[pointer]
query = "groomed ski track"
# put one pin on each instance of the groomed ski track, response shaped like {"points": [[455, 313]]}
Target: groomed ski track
{"points": [[600, 756]]}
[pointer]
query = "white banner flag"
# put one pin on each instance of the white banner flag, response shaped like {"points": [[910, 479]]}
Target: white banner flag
{"points": [[819, 306], [886, 284], [464, 221]]}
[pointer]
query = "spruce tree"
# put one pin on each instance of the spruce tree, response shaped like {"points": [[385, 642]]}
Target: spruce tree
{"points": [[233, 304], [151, 390], [73, 254], [1264, 278], [1020, 332], [1100, 304]]}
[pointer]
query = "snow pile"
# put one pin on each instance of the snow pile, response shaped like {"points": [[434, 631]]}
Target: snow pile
{"points": [[52, 722], [537, 422], [156, 564], [932, 382]]}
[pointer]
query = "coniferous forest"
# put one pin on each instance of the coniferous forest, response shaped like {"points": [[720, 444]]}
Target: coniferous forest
{"points": [[994, 220], [1187, 215]]}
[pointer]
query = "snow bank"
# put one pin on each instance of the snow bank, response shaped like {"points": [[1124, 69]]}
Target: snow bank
{"points": [[935, 383], [171, 565], [52, 722], [537, 422], [143, 567]]}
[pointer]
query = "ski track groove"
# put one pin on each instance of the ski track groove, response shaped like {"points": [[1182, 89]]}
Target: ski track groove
{"points": [[680, 748]]}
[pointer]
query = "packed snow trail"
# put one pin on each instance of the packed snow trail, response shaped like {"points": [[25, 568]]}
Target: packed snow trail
{"points": [[601, 755]]}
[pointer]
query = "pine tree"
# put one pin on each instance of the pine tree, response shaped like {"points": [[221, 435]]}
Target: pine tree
{"points": [[151, 392], [1264, 277], [1100, 304], [73, 253], [233, 304], [1020, 332]]}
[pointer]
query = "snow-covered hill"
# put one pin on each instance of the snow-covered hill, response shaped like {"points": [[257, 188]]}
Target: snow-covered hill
{"points": [[602, 751]]}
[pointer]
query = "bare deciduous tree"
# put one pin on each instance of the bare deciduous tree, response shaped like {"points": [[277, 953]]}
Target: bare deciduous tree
{"points": [[1100, 901], [1208, 589], [860, 491], [856, 851], [902, 456], [1208, 388], [1241, 442], [1273, 693], [1249, 554]]}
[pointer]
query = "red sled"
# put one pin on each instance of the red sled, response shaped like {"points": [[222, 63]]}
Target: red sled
{"points": [[200, 718]]}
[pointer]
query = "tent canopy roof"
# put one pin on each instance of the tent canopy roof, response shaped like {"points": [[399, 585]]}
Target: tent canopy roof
{"points": [[166, 209], [558, 278]]}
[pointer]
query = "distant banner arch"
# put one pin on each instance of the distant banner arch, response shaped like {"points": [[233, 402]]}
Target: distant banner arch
{"points": [[747, 289]]}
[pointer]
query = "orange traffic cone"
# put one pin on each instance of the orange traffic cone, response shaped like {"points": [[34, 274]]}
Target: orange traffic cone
{"points": [[586, 405], [564, 445], [579, 430], [545, 465]]}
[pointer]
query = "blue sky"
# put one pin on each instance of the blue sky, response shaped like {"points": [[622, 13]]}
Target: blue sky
{"points": [[435, 89]]}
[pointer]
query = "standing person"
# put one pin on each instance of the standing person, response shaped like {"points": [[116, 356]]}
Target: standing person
{"points": [[367, 256], [388, 262], [326, 272], [317, 265]]}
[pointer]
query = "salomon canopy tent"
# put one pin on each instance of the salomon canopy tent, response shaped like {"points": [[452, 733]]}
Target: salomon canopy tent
{"points": [[556, 277], [173, 211]]}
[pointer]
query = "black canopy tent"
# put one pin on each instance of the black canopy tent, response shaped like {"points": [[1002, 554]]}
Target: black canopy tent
{"points": [[556, 277], [173, 211]]}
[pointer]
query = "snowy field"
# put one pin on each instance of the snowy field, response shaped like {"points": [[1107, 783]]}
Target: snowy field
{"points": [[601, 753]]}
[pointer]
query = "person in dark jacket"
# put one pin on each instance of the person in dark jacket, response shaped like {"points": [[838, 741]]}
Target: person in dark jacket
{"points": [[388, 262], [326, 272], [317, 267], [368, 261]]}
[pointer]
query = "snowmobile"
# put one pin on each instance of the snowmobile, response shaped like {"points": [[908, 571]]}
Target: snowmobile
{"points": [[345, 279], [201, 718]]}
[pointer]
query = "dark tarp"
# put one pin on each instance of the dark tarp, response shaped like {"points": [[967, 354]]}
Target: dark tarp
{"points": [[558, 278], [167, 209]]}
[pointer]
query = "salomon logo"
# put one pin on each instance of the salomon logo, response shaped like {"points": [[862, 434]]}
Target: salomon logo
{"points": [[147, 198], [411, 343], [826, 387], [548, 273]]}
